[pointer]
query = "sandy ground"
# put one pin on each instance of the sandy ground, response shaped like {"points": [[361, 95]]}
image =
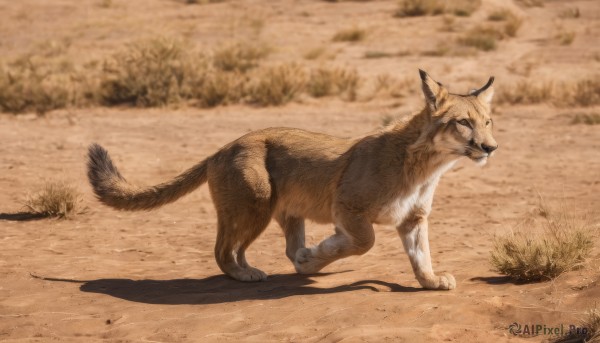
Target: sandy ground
{"points": [[130, 277]]}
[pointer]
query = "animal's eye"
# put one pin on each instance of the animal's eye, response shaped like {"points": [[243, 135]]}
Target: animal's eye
{"points": [[464, 122], [488, 122]]}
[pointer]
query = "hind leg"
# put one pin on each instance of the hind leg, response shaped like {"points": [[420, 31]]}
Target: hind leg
{"points": [[241, 192], [293, 229], [237, 230]]}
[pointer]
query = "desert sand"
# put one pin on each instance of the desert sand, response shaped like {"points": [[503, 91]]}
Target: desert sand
{"points": [[109, 276]]}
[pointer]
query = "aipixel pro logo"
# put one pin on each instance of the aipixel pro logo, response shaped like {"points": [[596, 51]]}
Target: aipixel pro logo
{"points": [[546, 330]]}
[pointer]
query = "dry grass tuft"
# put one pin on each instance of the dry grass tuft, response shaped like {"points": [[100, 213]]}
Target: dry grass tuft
{"points": [[464, 8], [219, 88], [570, 13], [338, 81], [482, 38], [532, 254], [512, 21], [239, 56], [512, 25], [350, 35], [150, 73], [582, 93], [526, 92], [278, 85], [591, 323], [314, 53], [587, 119], [416, 8], [565, 37], [34, 84], [531, 3], [57, 199], [586, 92]]}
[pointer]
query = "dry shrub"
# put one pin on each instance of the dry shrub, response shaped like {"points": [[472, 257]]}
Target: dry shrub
{"points": [[220, 88], [377, 54], [531, 254], [570, 13], [482, 38], [278, 85], [512, 25], [526, 92], [464, 8], [586, 92], [583, 93], [499, 15], [591, 322], [587, 119], [314, 53], [34, 84], [390, 86], [337, 81], [350, 35], [415, 8], [150, 73], [531, 3], [239, 56], [202, 2], [565, 37], [56, 199]]}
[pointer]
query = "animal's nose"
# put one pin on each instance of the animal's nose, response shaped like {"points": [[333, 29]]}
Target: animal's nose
{"points": [[488, 148]]}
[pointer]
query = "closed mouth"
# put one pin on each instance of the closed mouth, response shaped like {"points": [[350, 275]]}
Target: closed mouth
{"points": [[476, 155]]}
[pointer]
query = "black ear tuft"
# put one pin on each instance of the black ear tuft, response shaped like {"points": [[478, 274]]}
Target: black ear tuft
{"points": [[423, 74], [482, 89]]}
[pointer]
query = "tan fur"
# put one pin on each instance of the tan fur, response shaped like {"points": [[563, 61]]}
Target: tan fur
{"points": [[386, 177]]}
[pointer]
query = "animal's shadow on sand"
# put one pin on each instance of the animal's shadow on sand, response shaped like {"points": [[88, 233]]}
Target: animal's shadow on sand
{"points": [[22, 216], [498, 280], [221, 289]]}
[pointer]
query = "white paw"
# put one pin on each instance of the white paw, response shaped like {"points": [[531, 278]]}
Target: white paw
{"points": [[250, 274], [306, 263], [447, 282]]}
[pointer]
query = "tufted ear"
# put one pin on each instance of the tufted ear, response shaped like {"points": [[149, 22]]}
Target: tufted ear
{"points": [[485, 93], [435, 93]]}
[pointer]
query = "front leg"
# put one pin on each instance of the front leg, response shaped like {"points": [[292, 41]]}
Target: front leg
{"points": [[413, 232]]}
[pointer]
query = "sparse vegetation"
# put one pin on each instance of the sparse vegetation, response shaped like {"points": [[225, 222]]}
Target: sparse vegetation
{"points": [[532, 254], [570, 13], [377, 54], [526, 92], [239, 56], [338, 81], [583, 93], [591, 322], [565, 37], [28, 85], [56, 199], [314, 53], [276, 85], [350, 35], [531, 3], [512, 25], [587, 92], [482, 38], [415, 8], [149, 73], [586, 118]]}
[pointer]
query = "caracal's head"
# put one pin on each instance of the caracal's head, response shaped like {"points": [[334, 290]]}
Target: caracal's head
{"points": [[461, 124]]}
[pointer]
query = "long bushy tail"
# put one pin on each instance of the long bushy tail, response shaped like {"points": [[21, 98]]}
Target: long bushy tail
{"points": [[113, 190]]}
